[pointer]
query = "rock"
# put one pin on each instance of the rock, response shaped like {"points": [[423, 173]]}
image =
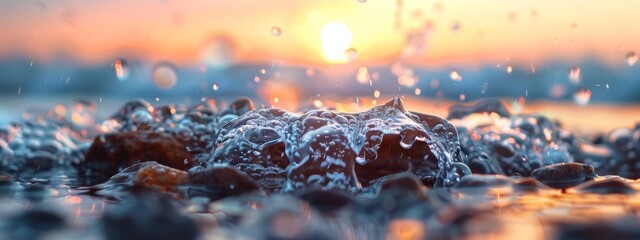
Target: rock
{"points": [[147, 217], [217, 182], [564, 175]]}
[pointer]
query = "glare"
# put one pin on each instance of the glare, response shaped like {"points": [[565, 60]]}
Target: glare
{"points": [[336, 39]]}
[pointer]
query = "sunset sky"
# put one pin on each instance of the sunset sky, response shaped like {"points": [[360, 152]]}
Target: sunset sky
{"points": [[488, 31]]}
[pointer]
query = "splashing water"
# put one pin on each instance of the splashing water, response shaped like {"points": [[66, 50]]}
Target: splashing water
{"points": [[582, 96], [574, 74], [122, 69]]}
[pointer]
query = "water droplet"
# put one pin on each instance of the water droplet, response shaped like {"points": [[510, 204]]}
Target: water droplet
{"points": [[122, 69], [263, 71], [509, 69], [407, 80], [518, 105], [276, 100], [418, 91], [164, 75], [455, 76], [454, 26], [574, 74], [376, 94], [256, 79], [462, 97], [362, 1], [216, 87], [632, 58], [351, 54], [318, 103], [582, 96], [276, 31], [363, 75]]}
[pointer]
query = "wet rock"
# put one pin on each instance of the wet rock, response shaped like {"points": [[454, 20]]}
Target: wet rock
{"points": [[38, 147], [217, 182], [331, 150], [488, 105], [327, 201], [147, 175], [286, 218], [529, 185], [134, 111], [623, 228], [402, 181], [239, 107], [35, 223], [147, 217], [112, 152], [564, 175], [512, 145], [610, 185], [324, 160], [484, 182]]}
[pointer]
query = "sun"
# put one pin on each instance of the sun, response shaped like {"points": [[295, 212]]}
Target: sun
{"points": [[336, 39]]}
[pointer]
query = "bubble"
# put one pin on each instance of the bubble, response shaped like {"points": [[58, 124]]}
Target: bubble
{"points": [[376, 94], [256, 79], [164, 75], [351, 54], [276, 31], [574, 74], [582, 96], [455, 76], [632, 58], [454, 26], [363, 75], [418, 91], [509, 69], [216, 87], [122, 69], [462, 97]]}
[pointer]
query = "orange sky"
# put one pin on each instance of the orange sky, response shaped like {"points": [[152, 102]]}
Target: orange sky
{"points": [[490, 30]]}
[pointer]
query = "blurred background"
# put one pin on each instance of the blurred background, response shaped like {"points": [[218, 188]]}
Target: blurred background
{"points": [[572, 59]]}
